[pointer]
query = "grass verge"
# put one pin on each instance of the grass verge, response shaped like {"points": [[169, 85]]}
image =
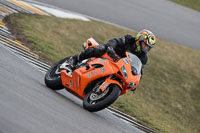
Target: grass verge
{"points": [[194, 4], [168, 96]]}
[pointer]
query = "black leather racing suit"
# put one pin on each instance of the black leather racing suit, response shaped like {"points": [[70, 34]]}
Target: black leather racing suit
{"points": [[120, 45]]}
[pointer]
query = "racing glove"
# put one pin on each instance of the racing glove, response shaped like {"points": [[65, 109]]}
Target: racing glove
{"points": [[111, 52]]}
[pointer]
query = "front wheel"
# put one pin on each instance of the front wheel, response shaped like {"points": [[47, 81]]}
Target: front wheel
{"points": [[93, 103]]}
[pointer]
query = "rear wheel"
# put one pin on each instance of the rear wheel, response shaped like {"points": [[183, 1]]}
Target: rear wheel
{"points": [[52, 77], [95, 101]]}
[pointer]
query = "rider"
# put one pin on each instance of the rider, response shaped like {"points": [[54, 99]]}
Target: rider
{"points": [[139, 45]]}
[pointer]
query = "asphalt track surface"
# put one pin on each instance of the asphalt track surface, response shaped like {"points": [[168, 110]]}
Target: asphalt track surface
{"points": [[28, 106], [166, 19]]}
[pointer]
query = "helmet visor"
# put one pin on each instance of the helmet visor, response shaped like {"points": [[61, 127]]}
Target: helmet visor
{"points": [[151, 41]]}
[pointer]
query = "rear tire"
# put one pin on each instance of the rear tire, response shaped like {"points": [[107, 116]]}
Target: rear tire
{"points": [[53, 80], [108, 99]]}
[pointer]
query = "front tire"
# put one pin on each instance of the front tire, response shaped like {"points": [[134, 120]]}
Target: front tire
{"points": [[53, 79], [92, 105]]}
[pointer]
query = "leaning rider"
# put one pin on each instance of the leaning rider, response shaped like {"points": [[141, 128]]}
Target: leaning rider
{"points": [[139, 45]]}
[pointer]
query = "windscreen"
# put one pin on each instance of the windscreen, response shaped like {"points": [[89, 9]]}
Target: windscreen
{"points": [[136, 64]]}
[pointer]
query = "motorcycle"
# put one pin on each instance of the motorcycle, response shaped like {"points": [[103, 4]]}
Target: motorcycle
{"points": [[97, 81]]}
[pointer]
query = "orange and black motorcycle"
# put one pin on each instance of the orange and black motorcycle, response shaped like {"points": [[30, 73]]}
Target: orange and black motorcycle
{"points": [[97, 81]]}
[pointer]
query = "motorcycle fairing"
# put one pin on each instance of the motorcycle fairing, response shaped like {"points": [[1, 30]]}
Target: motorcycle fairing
{"points": [[81, 77]]}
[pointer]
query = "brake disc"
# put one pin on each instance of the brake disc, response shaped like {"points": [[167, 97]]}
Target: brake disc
{"points": [[97, 95]]}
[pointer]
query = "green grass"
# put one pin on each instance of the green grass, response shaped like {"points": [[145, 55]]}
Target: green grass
{"points": [[194, 4], [168, 96]]}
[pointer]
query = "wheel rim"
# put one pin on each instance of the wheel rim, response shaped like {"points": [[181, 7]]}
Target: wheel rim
{"points": [[96, 95], [55, 73]]}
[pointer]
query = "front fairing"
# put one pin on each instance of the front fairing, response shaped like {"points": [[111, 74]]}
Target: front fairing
{"points": [[136, 64], [126, 66]]}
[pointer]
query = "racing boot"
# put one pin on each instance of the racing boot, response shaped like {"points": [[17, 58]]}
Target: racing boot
{"points": [[73, 60]]}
